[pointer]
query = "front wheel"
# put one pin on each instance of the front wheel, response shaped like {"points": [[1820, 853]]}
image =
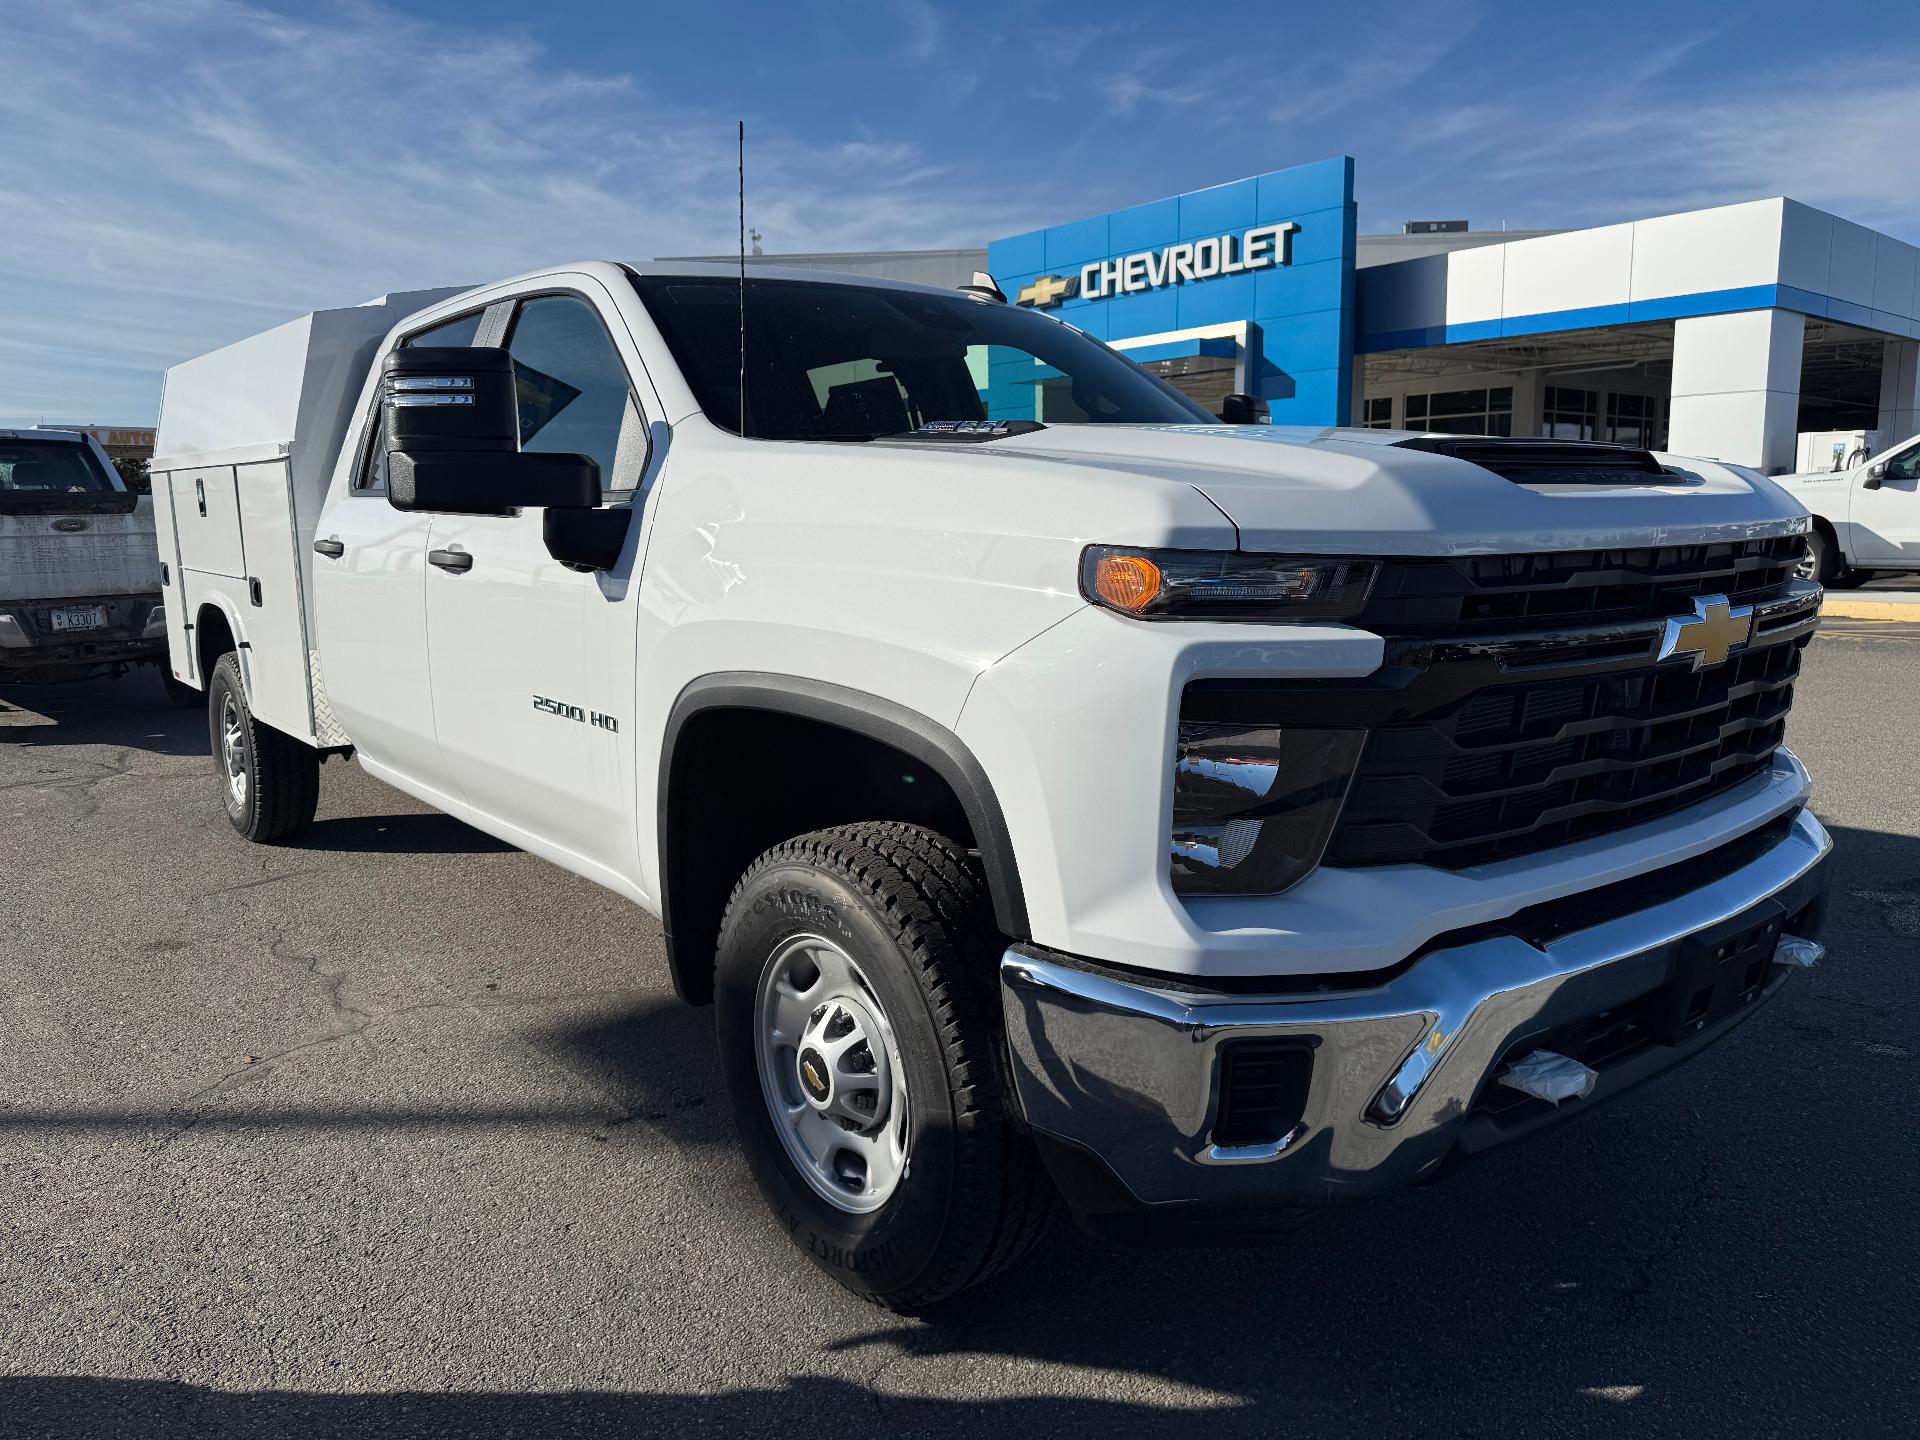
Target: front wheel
{"points": [[269, 781], [860, 1041], [1825, 562]]}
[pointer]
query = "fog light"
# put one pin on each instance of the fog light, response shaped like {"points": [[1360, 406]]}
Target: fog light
{"points": [[1253, 805]]}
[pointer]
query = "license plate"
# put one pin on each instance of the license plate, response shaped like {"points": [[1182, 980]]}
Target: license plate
{"points": [[79, 617]]}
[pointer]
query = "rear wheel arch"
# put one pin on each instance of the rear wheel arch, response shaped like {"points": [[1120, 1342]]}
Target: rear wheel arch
{"points": [[213, 636], [724, 726]]}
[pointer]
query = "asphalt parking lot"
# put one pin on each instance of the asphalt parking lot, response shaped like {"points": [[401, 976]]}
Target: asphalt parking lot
{"points": [[399, 1131]]}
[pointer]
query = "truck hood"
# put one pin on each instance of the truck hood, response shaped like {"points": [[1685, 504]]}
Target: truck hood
{"points": [[1337, 491]]}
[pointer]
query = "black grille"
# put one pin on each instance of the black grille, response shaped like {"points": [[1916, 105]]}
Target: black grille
{"points": [[1480, 594], [1516, 768]]}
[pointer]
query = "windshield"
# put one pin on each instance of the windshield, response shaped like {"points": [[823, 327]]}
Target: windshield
{"points": [[35, 468], [855, 362]]}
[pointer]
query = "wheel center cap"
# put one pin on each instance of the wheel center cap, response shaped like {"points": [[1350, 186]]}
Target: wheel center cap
{"points": [[816, 1078]]}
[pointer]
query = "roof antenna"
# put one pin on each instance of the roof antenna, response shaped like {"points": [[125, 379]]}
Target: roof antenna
{"points": [[743, 279]]}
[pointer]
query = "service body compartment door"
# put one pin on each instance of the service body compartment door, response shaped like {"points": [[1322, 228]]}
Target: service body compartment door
{"points": [[206, 516], [173, 591], [277, 658]]}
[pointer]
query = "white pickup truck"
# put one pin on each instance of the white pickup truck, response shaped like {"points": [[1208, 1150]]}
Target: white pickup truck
{"points": [[1866, 518], [79, 582], [1060, 794]]}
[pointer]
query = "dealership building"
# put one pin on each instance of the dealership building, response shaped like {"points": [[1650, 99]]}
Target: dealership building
{"points": [[1726, 332]]}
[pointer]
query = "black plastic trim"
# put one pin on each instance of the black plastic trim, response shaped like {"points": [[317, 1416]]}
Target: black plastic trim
{"points": [[907, 731]]}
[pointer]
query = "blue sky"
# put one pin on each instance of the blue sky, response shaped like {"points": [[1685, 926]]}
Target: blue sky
{"points": [[178, 173]]}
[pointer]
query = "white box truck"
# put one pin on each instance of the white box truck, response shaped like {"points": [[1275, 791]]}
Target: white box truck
{"points": [[1060, 795]]}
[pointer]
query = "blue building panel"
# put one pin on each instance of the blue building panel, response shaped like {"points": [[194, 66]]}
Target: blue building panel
{"points": [[1299, 315], [1023, 253], [1300, 289], [1069, 246], [1144, 227], [1221, 208], [1304, 188]]}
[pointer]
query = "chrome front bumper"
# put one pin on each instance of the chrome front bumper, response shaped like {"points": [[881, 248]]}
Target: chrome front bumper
{"points": [[1121, 1079]]}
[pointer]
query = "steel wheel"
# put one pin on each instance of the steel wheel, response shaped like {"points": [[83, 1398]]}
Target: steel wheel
{"points": [[831, 1074], [233, 752]]}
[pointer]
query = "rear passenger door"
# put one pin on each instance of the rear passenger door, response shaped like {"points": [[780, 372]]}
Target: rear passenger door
{"points": [[523, 648], [370, 604]]}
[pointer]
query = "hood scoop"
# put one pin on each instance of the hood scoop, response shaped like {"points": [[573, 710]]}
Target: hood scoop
{"points": [[1549, 462]]}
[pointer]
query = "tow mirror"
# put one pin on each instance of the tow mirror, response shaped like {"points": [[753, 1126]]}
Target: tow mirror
{"points": [[1875, 474], [451, 426], [1245, 410]]}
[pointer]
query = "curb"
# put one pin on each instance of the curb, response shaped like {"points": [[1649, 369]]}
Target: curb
{"points": [[1893, 607]]}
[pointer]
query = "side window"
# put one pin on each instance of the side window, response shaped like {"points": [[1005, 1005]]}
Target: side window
{"points": [[451, 332], [1905, 466], [573, 390], [373, 465]]}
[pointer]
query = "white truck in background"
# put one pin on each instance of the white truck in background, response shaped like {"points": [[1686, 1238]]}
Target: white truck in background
{"points": [[1866, 517], [1197, 823], [79, 581]]}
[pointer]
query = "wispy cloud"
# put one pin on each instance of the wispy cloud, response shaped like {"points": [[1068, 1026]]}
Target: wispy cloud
{"points": [[1641, 151], [922, 24], [244, 166]]}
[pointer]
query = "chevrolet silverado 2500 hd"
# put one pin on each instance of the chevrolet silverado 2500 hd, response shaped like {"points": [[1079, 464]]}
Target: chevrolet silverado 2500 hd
{"points": [[1057, 792], [79, 585], [1866, 517]]}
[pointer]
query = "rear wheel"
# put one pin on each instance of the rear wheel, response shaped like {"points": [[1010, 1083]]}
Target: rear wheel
{"points": [[270, 782], [861, 1044]]}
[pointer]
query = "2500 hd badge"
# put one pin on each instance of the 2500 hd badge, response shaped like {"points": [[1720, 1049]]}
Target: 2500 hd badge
{"points": [[574, 712]]}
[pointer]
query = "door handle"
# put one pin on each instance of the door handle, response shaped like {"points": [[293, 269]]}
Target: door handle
{"points": [[456, 561], [330, 548], [200, 489]]}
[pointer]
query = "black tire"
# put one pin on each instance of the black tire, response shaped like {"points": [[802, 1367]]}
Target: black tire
{"points": [[1826, 564], [182, 695], [909, 906], [282, 775]]}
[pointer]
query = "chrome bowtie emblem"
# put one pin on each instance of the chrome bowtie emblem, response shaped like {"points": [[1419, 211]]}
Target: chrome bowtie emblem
{"points": [[1713, 632]]}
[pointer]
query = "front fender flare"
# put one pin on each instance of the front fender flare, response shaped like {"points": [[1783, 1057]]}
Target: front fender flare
{"points": [[913, 734]]}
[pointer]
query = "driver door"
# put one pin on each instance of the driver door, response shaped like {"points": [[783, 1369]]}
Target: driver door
{"points": [[1886, 520], [527, 687]]}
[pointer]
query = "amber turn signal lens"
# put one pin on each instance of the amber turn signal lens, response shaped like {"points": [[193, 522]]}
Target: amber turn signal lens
{"points": [[1126, 582]]}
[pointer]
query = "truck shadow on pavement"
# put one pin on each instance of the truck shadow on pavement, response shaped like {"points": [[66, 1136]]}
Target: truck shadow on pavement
{"points": [[70, 1408], [424, 833], [130, 713]]}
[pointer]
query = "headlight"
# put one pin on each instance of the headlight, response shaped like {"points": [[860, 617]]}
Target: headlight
{"points": [[1223, 584], [1253, 805]]}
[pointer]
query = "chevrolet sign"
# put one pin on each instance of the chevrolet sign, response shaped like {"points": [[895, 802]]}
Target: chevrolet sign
{"points": [[1261, 248]]}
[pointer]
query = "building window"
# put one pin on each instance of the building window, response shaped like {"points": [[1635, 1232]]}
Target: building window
{"points": [[1206, 380], [1569, 414], [1463, 412], [1636, 420], [1376, 412]]}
